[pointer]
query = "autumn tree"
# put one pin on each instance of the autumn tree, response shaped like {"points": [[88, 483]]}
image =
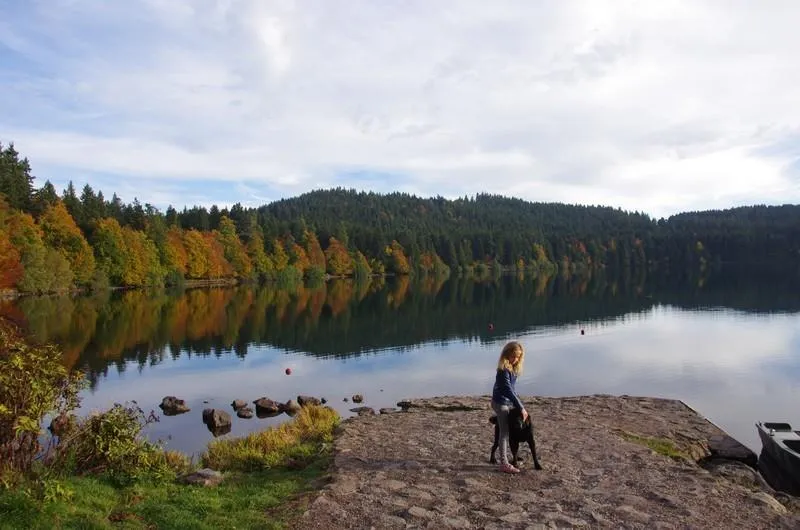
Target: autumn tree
{"points": [[338, 258], [62, 234], [10, 264], [143, 263], [197, 254], [316, 256], [262, 264], [218, 266], [44, 269], [298, 258], [397, 260], [174, 259], [361, 267], [233, 249]]}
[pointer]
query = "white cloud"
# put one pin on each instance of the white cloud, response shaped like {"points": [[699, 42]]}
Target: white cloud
{"points": [[655, 106]]}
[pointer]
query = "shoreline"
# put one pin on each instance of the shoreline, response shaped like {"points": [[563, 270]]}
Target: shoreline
{"points": [[605, 466]]}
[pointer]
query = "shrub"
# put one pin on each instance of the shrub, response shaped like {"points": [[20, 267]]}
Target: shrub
{"points": [[111, 442], [33, 385]]}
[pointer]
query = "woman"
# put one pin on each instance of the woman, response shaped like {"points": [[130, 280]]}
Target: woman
{"points": [[504, 397]]}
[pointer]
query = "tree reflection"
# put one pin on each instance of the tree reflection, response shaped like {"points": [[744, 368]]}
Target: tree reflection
{"points": [[341, 318]]}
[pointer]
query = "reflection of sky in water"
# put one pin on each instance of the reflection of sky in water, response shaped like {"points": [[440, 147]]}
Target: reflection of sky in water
{"points": [[734, 368]]}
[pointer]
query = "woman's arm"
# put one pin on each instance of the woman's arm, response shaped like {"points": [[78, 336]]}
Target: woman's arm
{"points": [[508, 390]]}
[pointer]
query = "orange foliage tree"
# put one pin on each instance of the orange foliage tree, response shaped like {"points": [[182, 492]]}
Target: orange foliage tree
{"points": [[10, 264], [398, 262], [218, 266], [175, 257], [338, 258], [62, 234], [316, 256]]}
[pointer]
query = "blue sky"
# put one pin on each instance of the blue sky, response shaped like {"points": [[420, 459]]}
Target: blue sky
{"points": [[658, 107]]}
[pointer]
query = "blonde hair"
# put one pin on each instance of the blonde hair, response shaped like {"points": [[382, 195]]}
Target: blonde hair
{"points": [[504, 363]]}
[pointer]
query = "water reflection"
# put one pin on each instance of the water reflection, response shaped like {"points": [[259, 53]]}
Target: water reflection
{"points": [[395, 339]]}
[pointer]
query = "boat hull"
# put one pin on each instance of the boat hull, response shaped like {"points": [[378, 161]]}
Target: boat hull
{"points": [[779, 461]]}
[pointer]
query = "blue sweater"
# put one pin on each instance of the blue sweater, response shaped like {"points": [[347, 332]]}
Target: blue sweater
{"points": [[503, 391]]}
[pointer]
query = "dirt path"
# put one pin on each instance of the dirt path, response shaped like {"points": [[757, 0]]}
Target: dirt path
{"points": [[428, 468]]}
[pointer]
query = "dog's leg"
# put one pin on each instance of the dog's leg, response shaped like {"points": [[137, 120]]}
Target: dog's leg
{"points": [[492, 458], [514, 451], [532, 445]]}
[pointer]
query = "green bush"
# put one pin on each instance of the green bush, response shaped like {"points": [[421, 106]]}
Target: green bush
{"points": [[33, 385], [111, 443]]}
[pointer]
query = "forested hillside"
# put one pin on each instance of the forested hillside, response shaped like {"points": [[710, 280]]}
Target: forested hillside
{"points": [[51, 241]]}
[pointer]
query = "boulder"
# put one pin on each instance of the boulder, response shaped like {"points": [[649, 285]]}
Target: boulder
{"points": [[363, 411], [245, 412], [203, 477], [172, 406], [387, 410], [308, 400], [216, 419], [723, 446], [266, 407], [238, 404], [357, 398], [291, 407]]}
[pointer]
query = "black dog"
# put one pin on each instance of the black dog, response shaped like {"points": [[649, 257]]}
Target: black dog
{"points": [[518, 432]]}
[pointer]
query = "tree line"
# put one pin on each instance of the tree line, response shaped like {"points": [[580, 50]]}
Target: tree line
{"points": [[51, 242]]}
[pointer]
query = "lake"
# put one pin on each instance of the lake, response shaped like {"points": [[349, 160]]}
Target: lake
{"points": [[727, 345]]}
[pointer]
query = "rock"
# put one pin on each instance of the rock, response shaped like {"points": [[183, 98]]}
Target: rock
{"points": [[346, 400], [723, 446], [291, 407], [357, 398], [394, 485], [217, 420], [323, 400], [762, 497], [363, 411], [204, 477], [392, 521], [308, 400], [172, 406], [387, 410], [238, 404], [405, 405], [422, 513], [515, 517], [245, 412], [266, 407]]}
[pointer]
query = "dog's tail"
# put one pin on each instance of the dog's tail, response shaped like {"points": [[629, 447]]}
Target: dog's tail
{"points": [[493, 420]]}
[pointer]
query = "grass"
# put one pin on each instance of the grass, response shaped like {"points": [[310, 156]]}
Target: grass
{"points": [[267, 477], [291, 444], [662, 446]]}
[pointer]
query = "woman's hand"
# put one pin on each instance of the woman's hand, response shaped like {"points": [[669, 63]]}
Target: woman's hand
{"points": [[524, 415]]}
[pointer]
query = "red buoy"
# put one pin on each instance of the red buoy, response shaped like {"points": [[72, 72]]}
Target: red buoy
{"points": [[288, 371], [491, 327]]}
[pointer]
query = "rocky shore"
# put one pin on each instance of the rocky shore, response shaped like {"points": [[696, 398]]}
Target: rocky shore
{"points": [[609, 462]]}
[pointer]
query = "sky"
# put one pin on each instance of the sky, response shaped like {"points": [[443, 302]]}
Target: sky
{"points": [[651, 106]]}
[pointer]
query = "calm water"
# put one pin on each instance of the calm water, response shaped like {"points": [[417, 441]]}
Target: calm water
{"points": [[728, 346]]}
